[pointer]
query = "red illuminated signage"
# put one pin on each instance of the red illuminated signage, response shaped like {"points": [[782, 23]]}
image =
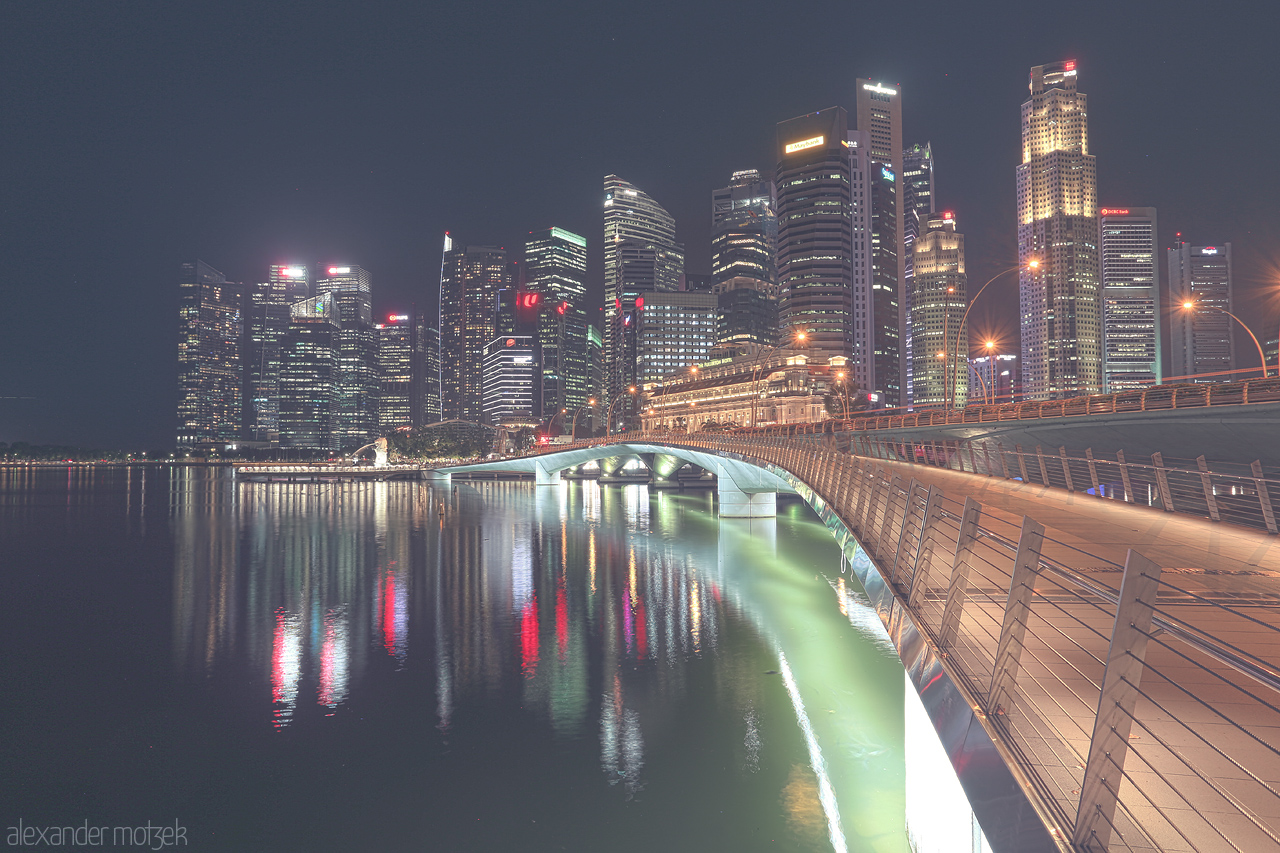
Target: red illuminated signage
{"points": [[562, 307], [529, 300], [639, 302], [1114, 211], [1071, 64], [511, 342]]}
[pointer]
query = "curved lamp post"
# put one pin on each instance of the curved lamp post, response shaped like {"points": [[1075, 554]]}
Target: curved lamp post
{"points": [[591, 404], [608, 421], [1196, 306], [951, 395], [798, 337]]}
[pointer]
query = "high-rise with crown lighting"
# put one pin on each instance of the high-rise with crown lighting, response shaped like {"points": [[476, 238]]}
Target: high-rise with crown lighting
{"points": [[1131, 334], [1202, 344], [470, 278], [641, 256], [1059, 301], [210, 364], [268, 320], [938, 299]]}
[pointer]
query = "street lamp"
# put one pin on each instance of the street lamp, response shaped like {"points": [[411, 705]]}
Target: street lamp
{"points": [[608, 421], [1033, 264], [844, 388], [1193, 306], [591, 404], [798, 337], [551, 423]]}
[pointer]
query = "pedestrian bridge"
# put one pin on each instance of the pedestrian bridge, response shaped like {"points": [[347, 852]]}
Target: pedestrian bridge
{"points": [[1103, 675]]}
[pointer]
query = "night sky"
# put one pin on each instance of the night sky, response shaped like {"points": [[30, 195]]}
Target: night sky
{"points": [[138, 136]]}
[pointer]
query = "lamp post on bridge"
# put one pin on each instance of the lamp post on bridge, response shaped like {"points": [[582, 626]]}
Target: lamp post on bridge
{"points": [[951, 389], [1196, 306], [608, 421], [591, 404]]}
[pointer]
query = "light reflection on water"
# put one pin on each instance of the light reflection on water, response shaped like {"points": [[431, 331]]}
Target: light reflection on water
{"points": [[637, 633]]}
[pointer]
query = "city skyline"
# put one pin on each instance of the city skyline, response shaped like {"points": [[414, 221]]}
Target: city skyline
{"points": [[98, 224]]}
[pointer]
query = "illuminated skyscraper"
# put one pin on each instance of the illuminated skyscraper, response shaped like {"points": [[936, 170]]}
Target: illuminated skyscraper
{"points": [[400, 368], [1059, 301], [677, 331], [268, 321], [355, 377], [641, 256], [470, 279], [917, 203], [210, 364], [879, 115], [938, 298], [556, 268], [1202, 340], [816, 223], [744, 268], [308, 367], [1131, 335]]}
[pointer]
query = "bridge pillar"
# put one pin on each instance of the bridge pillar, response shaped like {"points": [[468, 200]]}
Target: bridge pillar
{"points": [[664, 468], [544, 476], [735, 503], [439, 478]]}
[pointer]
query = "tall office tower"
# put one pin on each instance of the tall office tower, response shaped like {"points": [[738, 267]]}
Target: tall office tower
{"points": [[355, 378], [470, 279], [744, 266], [400, 368], [595, 373], [886, 295], [917, 203], [429, 340], [994, 378], [308, 363], [556, 268], [1059, 301], [512, 390], [210, 364], [879, 114], [267, 320], [641, 256], [677, 331], [1131, 334], [816, 227], [939, 293], [1202, 340]]}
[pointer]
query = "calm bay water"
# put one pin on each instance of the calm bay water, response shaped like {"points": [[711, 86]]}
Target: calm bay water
{"points": [[393, 666]]}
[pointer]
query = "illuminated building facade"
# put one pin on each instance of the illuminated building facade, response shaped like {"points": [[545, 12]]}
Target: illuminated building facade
{"points": [[470, 279], [641, 256], [210, 363], [355, 378], [308, 364], [1059, 301], [1202, 341], [512, 359], [917, 203], [938, 299], [401, 364], [994, 377], [879, 115], [816, 224], [676, 332], [556, 268], [744, 239], [780, 386], [885, 320], [1131, 335], [267, 322]]}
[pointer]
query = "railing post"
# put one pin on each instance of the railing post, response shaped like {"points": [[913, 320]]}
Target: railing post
{"points": [[1044, 472], [1013, 631], [1004, 462], [973, 465], [958, 587], [1124, 477], [1066, 469], [924, 551], [1162, 481], [899, 554], [1109, 745], [887, 521], [1022, 463], [859, 512], [1264, 496], [1206, 482], [1093, 472], [986, 456]]}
